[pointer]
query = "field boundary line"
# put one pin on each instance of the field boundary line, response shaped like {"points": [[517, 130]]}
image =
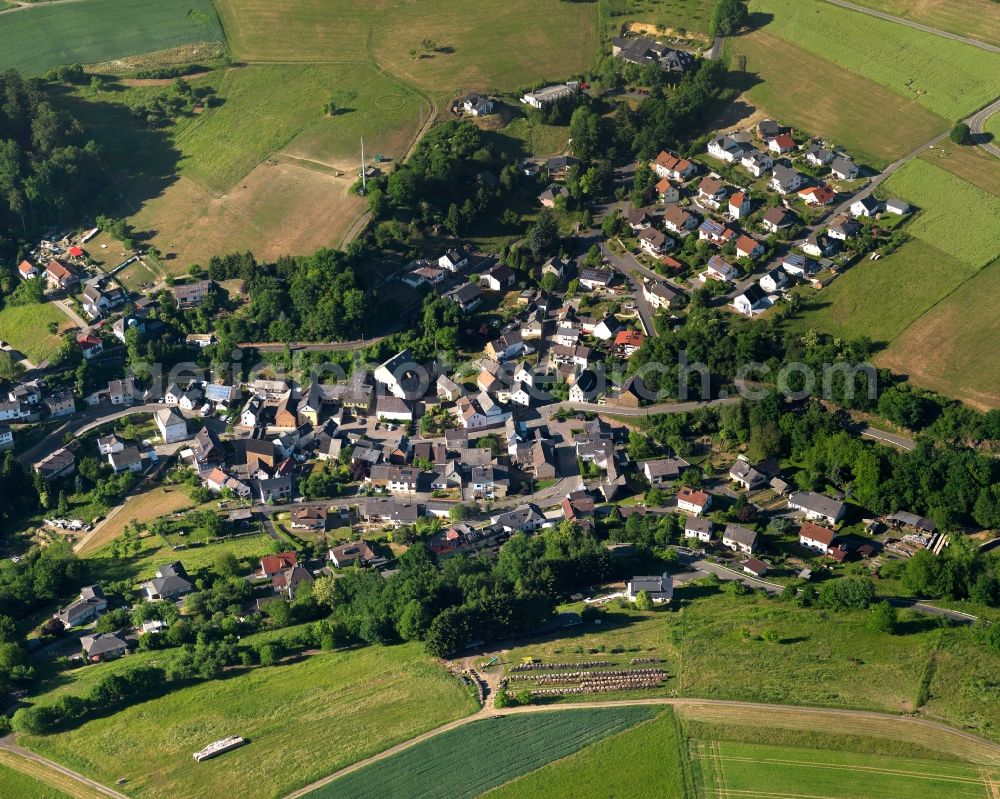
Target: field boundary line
{"points": [[848, 767], [13, 752]]}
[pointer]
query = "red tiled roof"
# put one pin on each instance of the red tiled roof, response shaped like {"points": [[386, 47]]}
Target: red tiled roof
{"points": [[628, 338], [816, 533], [272, 564], [692, 495]]}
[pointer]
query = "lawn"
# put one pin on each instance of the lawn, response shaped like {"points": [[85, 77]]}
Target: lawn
{"points": [[955, 216], [35, 39], [485, 46], [14, 783], [535, 138], [975, 19], [427, 770], [880, 299], [950, 348], [950, 78], [304, 720], [25, 328], [299, 30], [655, 752], [869, 120], [748, 769]]}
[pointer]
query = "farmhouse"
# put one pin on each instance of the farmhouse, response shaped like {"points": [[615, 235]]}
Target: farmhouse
{"points": [[817, 506], [739, 539]]}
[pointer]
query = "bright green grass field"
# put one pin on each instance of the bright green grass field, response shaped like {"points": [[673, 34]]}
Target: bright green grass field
{"points": [[976, 19], [757, 770], [25, 328], [15, 785], [87, 32], [955, 216], [304, 720], [267, 106], [462, 763], [689, 15], [880, 299], [655, 754], [950, 78], [993, 126]]}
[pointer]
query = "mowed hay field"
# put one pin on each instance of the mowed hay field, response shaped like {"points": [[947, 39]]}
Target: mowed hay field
{"points": [[486, 46], [950, 78], [25, 328], [810, 92], [689, 15], [14, 783], [953, 347], [975, 19], [491, 752], [973, 164], [35, 39], [299, 30], [143, 508], [647, 760], [761, 770], [304, 720]]}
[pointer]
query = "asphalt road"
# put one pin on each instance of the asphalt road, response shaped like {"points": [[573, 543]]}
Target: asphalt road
{"points": [[976, 122]]}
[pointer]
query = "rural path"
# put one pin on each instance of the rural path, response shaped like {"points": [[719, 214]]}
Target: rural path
{"points": [[8, 744], [66, 308], [867, 431], [916, 25], [986, 750]]}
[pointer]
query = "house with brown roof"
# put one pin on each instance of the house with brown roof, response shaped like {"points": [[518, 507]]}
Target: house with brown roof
{"points": [[816, 537], [355, 552], [60, 275], [308, 518], [691, 500], [271, 565], [668, 165]]}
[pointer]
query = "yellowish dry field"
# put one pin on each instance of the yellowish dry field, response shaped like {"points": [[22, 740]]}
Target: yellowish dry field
{"points": [[143, 508]]}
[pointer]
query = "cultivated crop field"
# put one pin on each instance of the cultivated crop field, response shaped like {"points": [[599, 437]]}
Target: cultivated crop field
{"points": [[34, 39], [975, 19], [760, 770], [955, 216], [951, 348], [304, 719], [491, 752], [25, 328], [494, 46], [655, 754], [950, 78], [868, 119]]}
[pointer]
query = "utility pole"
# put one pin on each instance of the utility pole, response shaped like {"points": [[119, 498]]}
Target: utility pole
{"points": [[364, 187]]}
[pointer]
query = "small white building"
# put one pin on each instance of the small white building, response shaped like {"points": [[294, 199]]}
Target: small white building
{"points": [[659, 587]]}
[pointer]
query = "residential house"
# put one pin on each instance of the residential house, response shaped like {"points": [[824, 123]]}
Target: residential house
{"points": [[509, 345], [816, 537], [691, 500], [28, 394], [275, 489], [628, 342], [660, 588], [747, 247], [715, 232], [559, 165], [454, 259], [777, 218], [668, 165], [663, 470], [191, 399], [698, 528], [654, 242], [394, 479], [746, 474], [12, 411], [551, 193], [467, 297], [819, 245], [310, 406], [843, 168], [207, 447], [90, 346], [56, 465], [108, 444], [171, 581], [728, 149], [127, 460], [523, 518], [97, 300], [271, 565], [643, 51], [818, 195], [190, 295], [798, 265], [637, 219], [818, 156], [596, 278], [61, 403], [104, 646], [307, 517], [555, 266], [172, 425], [757, 163], [353, 553], [782, 143], [90, 604], [767, 129], [711, 191], [719, 268], [448, 389], [784, 179], [739, 205], [584, 388], [739, 539], [752, 301], [285, 413], [489, 482], [667, 191], [475, 105], [660, 295], [390, 511], [253, 412], [287, 583], [498, 277], [399, 375], [865, 206], [817, 506], [773, 281], [606, 328], [122, 392], [59, 275], [27, 270], [677, 220], [843, 227]]}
